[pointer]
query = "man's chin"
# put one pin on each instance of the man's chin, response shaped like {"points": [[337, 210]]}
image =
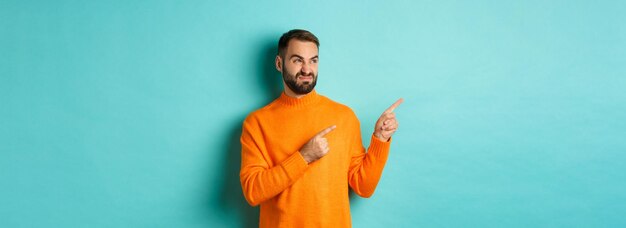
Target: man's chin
{"points": [[306, 86], [304, 89]]}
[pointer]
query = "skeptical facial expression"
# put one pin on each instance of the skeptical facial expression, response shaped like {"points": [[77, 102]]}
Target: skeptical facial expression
{"points": [[299, 66]]}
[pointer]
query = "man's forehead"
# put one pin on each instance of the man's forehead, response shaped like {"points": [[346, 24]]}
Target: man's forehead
{"points": [[305, 49]]}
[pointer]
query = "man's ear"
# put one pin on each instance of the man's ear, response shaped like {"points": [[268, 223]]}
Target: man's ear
{"points": [[279, 64]]}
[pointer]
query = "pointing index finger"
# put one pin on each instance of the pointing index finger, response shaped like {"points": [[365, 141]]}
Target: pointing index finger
{"points": [[394, 105], [326, 131]]}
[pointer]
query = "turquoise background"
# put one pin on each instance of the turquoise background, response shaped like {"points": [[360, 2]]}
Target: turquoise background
{"points": [[128, 113]]}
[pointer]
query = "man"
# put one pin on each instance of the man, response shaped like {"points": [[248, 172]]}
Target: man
{"points": [[302, 151]]}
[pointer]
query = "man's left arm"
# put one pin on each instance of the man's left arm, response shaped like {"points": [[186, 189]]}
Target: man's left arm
{"points": [[367, 168]]}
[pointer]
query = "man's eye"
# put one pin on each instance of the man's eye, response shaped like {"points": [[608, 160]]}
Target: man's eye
{"points": [[314, 61], [298, 60]]}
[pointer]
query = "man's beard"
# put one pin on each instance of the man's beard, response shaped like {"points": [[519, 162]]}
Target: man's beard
{"points": [[300, 89]]}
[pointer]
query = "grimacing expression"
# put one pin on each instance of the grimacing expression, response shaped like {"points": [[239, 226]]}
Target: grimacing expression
{"points": [[299, 66]]}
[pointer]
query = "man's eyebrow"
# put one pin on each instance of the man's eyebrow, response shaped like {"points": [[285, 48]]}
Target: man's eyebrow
{"points": [[295, 55], [298, 56]]}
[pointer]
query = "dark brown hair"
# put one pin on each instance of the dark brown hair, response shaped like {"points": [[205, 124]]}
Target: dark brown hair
{"points": [[299, 34]]}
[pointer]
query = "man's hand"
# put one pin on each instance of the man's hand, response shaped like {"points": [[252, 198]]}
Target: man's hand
{"points": [[317, 147], [387, 123]]}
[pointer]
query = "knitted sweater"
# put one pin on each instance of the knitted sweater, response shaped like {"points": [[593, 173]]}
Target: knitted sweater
{"points": [[291, 192]]}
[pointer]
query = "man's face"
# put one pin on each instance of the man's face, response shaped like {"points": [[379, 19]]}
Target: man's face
{"points": [[299, 66]]}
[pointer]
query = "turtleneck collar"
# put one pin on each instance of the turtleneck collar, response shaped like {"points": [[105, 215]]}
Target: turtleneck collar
{"points": [[310, 98]]}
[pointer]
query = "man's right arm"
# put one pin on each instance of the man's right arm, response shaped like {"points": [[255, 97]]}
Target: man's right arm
{"points": [[259, 181]]}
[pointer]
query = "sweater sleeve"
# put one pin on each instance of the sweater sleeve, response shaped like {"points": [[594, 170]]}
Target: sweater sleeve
{"points": [[366, 168], [259, 180]]}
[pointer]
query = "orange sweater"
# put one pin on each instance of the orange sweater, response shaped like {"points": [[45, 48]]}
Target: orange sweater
{"points": [[291, 192]]}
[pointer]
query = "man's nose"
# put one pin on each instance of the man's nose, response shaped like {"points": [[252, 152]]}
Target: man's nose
{"points": [[306, 68]]}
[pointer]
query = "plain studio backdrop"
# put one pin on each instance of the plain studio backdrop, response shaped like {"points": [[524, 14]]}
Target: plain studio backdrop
{"points": [[128, 113]]}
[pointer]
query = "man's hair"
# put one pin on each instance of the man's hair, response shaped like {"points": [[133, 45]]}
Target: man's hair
{"points": [[298, 34]]}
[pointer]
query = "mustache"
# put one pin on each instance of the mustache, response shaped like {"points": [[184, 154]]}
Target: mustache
{"points": [[303, 74]]}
